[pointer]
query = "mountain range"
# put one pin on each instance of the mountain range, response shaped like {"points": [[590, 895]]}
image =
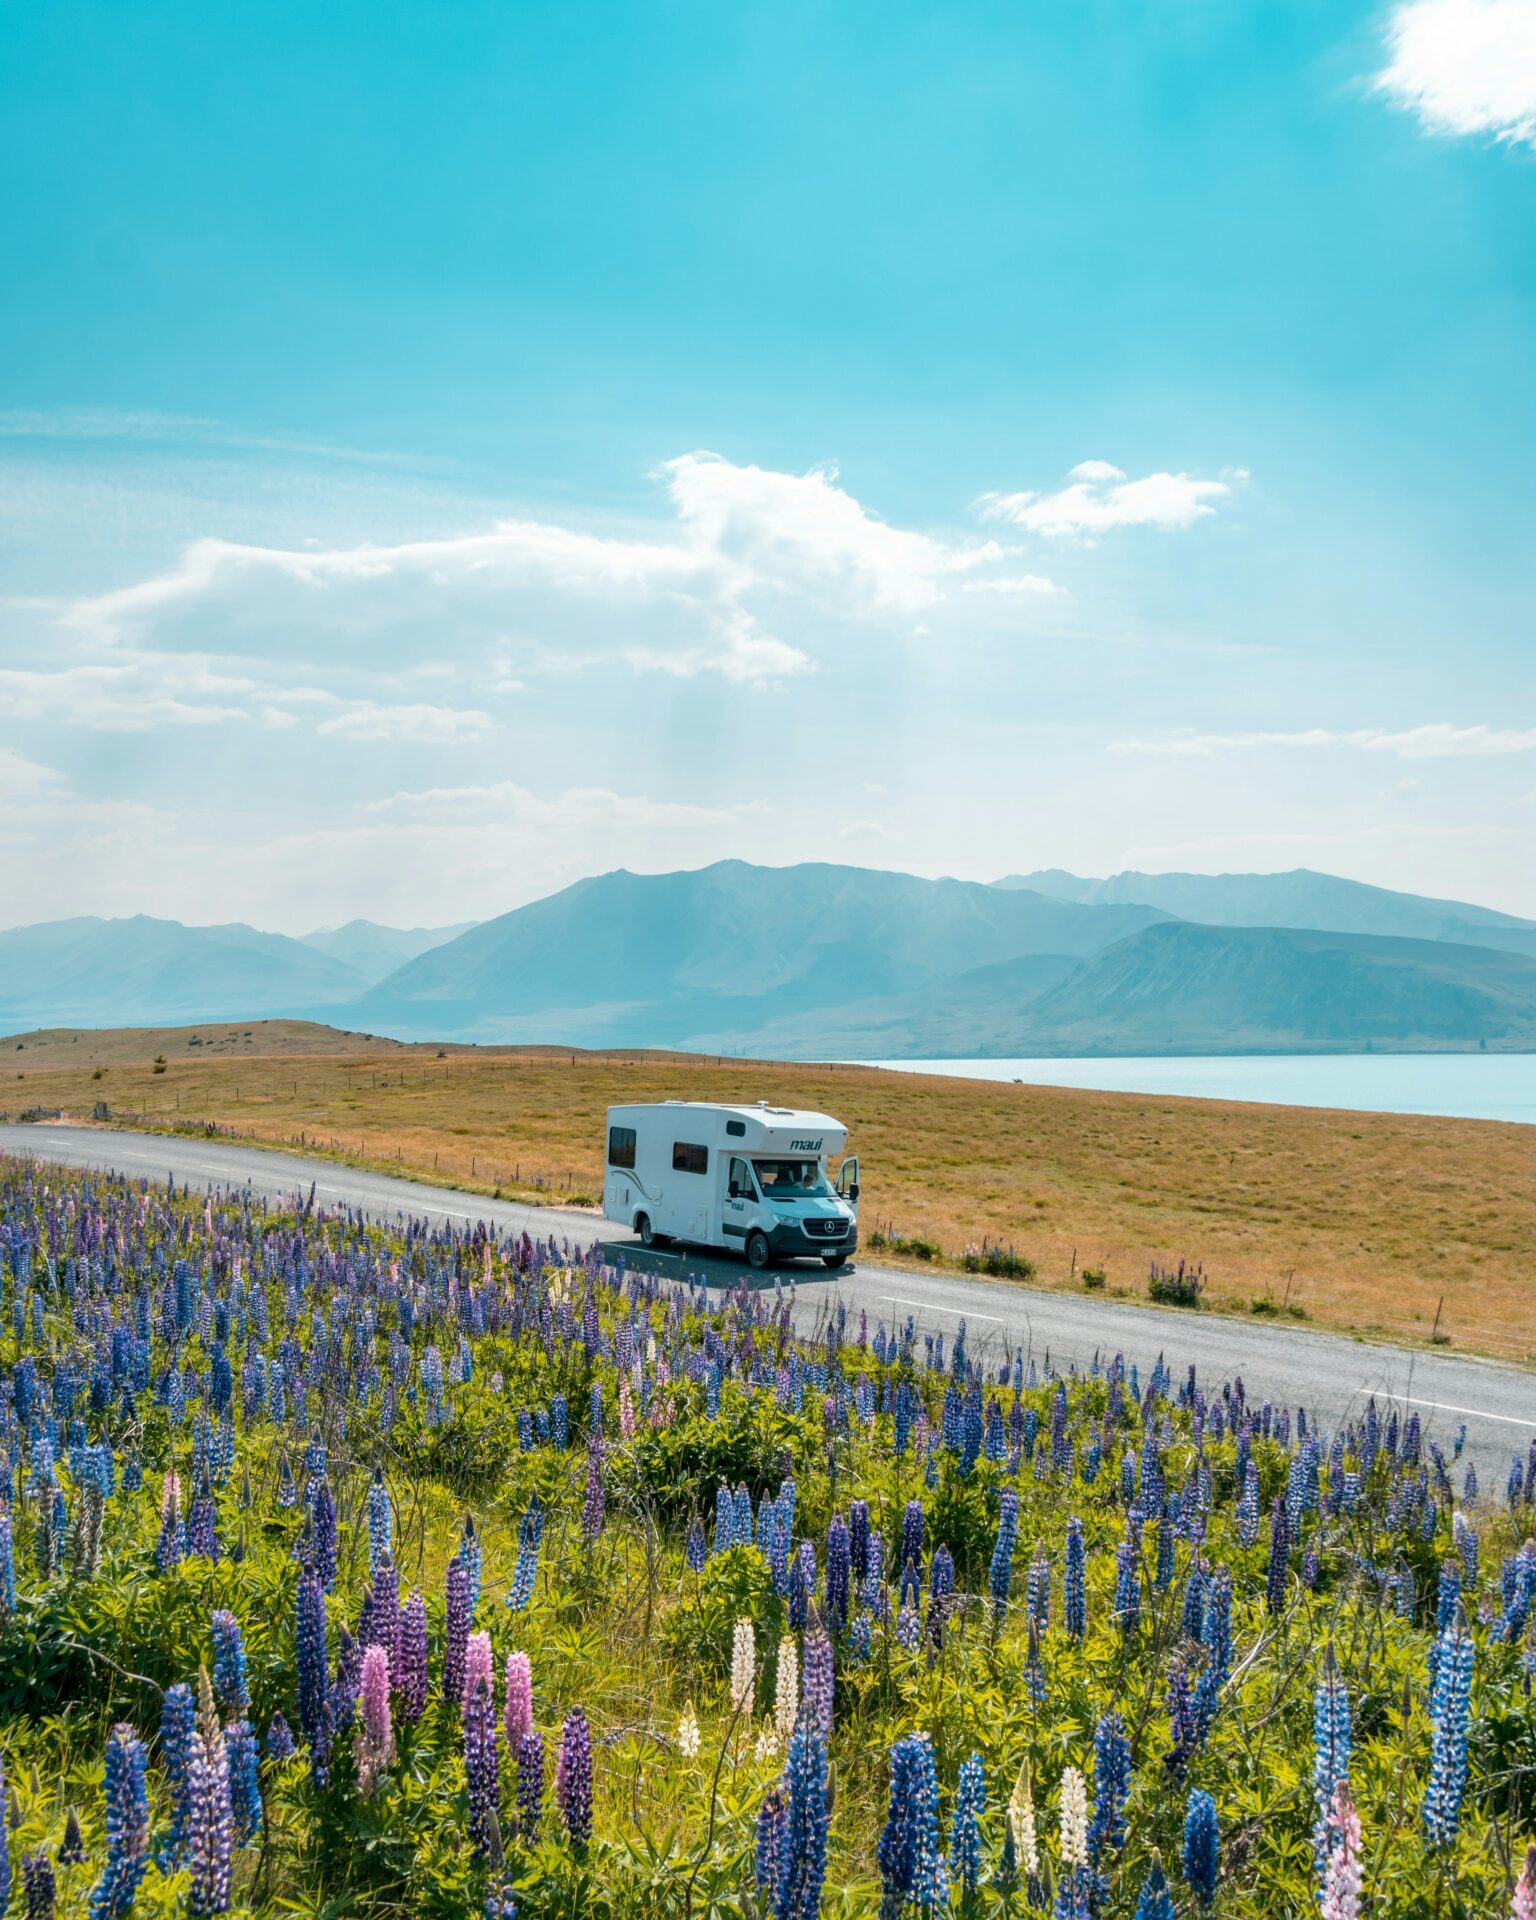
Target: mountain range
{"points": [[819, 961]]}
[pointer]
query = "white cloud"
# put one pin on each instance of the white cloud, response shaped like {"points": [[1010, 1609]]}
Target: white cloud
{"points": [[506, 800], [1035, 583], [685, 597], [433, 726], [23, 779], [1099, 498], [806, 531], [1437, 740], [128, 696], [1465, 67]]}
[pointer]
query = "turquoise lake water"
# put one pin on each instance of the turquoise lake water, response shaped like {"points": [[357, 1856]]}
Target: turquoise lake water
{"points": [[1473, 1086]]}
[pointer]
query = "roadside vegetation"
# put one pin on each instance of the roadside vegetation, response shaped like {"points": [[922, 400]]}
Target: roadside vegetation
{"points": [[1386, 1224], [355, 1573]]}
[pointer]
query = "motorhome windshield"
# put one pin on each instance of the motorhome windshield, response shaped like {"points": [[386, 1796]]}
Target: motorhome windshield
{"points": [[791, 1179]]}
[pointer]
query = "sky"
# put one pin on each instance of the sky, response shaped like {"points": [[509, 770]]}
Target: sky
{"points": [[447, 450]]}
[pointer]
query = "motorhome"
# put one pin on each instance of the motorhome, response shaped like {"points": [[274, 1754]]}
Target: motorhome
{"points": [[751, 1178]]}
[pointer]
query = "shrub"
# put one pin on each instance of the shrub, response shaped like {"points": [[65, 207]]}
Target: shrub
{"points": [[999, 1261], [1093, 1278], [1179, 1286]]}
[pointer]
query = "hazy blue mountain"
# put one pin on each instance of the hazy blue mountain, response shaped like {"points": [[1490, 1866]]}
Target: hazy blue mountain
{"points": [[374, 952], [142, 972], [823, 961], [1181, 988], [656, 959], [1320, 901]]}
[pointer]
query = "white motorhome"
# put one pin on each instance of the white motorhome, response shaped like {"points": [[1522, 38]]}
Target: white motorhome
{"points": [[753, 1178]]}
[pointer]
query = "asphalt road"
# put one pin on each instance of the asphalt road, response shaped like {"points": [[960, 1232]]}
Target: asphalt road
{"points": [[1330, 1374]]}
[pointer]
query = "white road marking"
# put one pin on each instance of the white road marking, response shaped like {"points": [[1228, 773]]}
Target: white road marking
{"points": [[1472, 1413], [954, 1313]]}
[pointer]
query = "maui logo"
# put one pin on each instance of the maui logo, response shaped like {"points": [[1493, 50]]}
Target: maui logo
{"points": [[805, 1146]]}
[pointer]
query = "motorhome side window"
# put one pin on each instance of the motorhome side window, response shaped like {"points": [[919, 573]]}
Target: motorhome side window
{"points": [[621, 1146], [739, 1183], [689, 1159]]}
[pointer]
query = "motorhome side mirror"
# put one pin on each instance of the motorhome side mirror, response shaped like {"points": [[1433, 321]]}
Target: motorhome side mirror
{"points": [[853, 1193]]}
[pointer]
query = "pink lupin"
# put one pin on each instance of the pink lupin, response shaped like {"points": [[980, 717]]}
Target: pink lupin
{"points": [[517, 1718], [478, 1664]]}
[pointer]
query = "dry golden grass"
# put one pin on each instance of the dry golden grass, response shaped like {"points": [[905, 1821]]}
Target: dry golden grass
{"points": [[1365, 1221]]}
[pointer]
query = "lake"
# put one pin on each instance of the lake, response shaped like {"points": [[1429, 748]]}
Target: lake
{"points": [[1471, 1086]]}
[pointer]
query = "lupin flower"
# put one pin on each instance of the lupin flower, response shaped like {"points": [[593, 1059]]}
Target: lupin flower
{"points": [[1074, 1819], [1155, 1902], [1111, 1787], [768, 1846], [127, 1806], [178, 1730], [1523, 1904], [244, 1780], [1279, 1555], [38, 1887], [412, 1676], [1022, 1830], [593, 1506], [530, 1782], [965, 1828], [839, 1572], [912, 1866], [456, 1637], [786, 1692], [72, 1846], [743, 1668], [517, 1714], [1448, 1708], [482, 1769], [279, 1739], [688, 1733], [803, 1854], [212, 1836], [229, 1681], [1343, 1882], [1202, 1848], [1000, 1571], [375, 1730], [1074, 1600], [314, 1692], [1331, 1748], [817, 1684], [573, 1777]]}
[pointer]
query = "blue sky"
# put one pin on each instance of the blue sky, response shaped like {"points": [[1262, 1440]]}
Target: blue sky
{"points": [[448, 450]]}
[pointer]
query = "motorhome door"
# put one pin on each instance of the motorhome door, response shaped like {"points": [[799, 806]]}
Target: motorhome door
{"points": [[740, 1199]]}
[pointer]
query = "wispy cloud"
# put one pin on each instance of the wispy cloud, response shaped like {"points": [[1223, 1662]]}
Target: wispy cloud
{"points": [[145, 427], [697, 593], [1465, 67], [434, 726], [1438, 740], [1099, 498]]}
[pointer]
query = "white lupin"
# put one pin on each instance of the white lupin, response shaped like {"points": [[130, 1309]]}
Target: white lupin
{"points": [[743, 1668], [1074, 1819], [1021, 1823], [688, 1733], [786, 1694]]}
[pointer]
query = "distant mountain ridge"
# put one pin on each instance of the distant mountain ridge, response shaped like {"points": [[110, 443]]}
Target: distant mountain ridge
{"points": [[143, 972], [655, 959], [819, 961], [1301, 898], [374, 951]]}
